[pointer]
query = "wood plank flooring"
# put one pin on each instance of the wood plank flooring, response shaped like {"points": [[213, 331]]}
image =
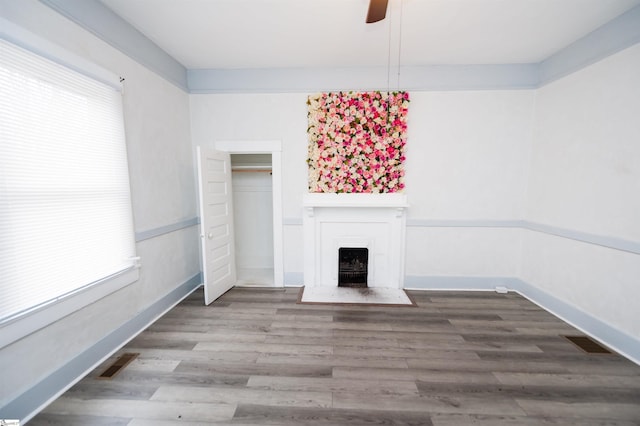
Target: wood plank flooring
{"points": [[255, 357]]}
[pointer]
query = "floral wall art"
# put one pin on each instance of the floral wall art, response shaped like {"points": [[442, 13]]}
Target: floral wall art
{"points": [[357, 141]]}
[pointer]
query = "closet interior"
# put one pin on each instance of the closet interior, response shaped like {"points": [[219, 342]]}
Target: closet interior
{"points": [[253, 219]]}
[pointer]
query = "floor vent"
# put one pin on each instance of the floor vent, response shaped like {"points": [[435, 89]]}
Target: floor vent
{"points": [[588, 345], [118, 365]]}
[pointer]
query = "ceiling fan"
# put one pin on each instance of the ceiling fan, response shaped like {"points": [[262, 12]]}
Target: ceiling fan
{"points": [[377, 10]]}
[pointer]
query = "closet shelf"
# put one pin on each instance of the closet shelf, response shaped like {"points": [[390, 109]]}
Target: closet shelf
{"points": [[251, 168]]}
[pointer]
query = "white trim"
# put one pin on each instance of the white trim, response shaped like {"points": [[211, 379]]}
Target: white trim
{"points": [[465, 223], [294, 279], [456, 283], [292, 221], [355, 200], [162, 230], [614, 243], [303, 80], [273, 147]]}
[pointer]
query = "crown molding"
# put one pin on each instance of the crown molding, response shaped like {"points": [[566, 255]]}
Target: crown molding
{"points": [[435, 77], [616, 35], [98, 19]]}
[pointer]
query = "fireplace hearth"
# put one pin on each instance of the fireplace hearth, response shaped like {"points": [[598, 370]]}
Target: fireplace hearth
{"points": [[352, 267]]}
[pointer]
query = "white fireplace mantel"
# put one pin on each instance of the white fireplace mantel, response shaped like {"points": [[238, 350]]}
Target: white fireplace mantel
{"points": [[374, 221], [393, 200]]}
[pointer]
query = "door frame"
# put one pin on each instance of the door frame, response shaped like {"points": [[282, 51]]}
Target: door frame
{"points": [[273, 147]]}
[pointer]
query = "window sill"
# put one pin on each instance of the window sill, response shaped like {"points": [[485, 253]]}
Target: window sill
{"points": [[23, 325]]}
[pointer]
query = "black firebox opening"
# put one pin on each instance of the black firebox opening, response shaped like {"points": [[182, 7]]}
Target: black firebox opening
{"points": [[352, 266]]}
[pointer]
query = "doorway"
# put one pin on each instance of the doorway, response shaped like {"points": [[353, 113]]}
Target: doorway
{"points": [[260, 243], [253, 219]]}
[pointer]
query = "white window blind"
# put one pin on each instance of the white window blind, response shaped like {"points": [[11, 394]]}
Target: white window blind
{"points": [[65, 205]]}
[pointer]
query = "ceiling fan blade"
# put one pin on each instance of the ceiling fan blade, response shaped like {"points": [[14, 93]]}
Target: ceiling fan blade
{"points": [[377, 10]]}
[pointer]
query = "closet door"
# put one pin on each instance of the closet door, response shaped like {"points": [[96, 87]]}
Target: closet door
{"points": [[216, 222]]}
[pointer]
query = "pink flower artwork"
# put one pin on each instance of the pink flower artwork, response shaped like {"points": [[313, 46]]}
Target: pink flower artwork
{"points": [[357, 141]]}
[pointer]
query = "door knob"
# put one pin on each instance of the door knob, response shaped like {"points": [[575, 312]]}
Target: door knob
{"points": [[210, 235]]}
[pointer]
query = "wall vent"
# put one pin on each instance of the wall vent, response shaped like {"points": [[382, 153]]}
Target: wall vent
{"points": [[588, 345], [118, 365]]}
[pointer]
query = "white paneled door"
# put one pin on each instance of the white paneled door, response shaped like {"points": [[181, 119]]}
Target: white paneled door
{"points": [[216, 222]]}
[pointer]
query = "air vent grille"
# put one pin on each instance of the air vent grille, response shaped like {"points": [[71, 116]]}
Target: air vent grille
{"points": [[118, 365], [588, 345]]}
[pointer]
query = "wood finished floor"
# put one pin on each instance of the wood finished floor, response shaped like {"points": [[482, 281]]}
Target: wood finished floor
{"points": [[255, 357]]}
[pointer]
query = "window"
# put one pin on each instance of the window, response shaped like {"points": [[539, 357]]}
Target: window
{"points": [[65, 205]]}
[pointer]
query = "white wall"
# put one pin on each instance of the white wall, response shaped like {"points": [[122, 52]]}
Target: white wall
{"points": [[585, 177], [162, 184], [466, 153], [466, 156]]}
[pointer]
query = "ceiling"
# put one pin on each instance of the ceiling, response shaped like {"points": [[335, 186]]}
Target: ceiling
{"points": [[231, 34]]}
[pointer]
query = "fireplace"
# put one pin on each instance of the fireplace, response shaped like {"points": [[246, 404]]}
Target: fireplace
{"points": [[336, 224], [353, 263]]}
